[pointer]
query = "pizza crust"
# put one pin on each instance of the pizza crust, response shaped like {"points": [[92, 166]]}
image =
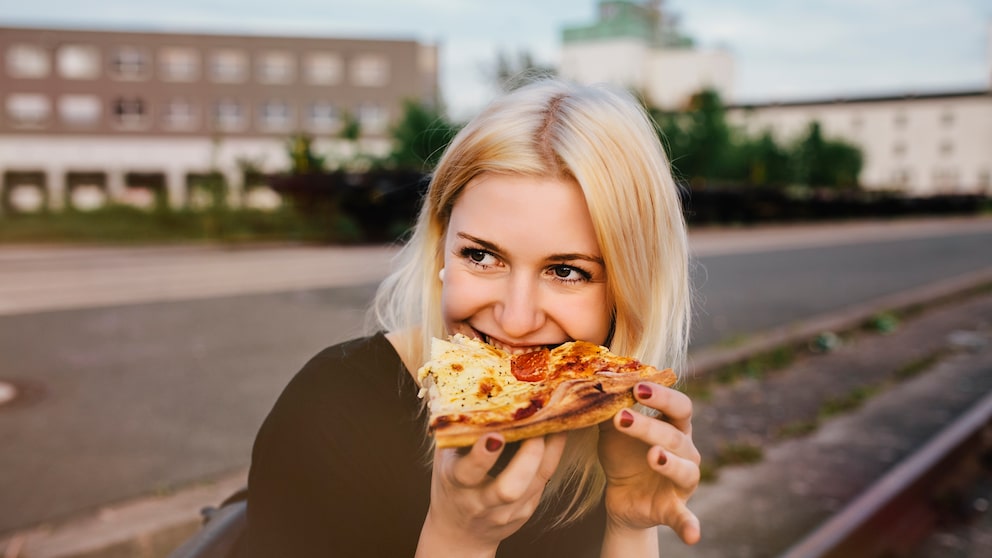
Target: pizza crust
{"points": [[574, 404], [472, 391]]}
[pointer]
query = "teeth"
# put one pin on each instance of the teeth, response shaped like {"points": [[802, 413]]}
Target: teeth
{"points": [[514, 350]]}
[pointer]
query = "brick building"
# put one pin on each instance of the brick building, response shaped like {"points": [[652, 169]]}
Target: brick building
{"points": [[89, 116]]}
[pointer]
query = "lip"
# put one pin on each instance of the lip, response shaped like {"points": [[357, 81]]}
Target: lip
{"points": [[510, 347]]}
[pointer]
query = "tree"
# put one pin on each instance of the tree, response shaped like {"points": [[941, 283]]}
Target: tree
{"points": [[509, 73], [420, 137], [821, 162], [698, 139]]}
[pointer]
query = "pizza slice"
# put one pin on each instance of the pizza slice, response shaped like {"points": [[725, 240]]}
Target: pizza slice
{"points": [[474, 388]]}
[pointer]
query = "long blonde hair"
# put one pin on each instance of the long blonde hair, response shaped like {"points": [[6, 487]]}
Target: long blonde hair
{"points": [[603, 139]]}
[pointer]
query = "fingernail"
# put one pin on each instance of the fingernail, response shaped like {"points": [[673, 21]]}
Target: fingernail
{"points": [[493, 444], [662, 458], [643, 391], [626, 419]]}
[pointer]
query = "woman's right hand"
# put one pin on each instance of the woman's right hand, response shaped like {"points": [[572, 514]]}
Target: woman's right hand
{"points": [[471, 512]]}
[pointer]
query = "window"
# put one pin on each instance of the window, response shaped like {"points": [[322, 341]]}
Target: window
{"points": [[130, 112], [229, 66], [372, 118], [946, 179], [28, 109], [324, 117], [947, 118], [228, 115], [179, 64], [370, 70], [179, 114], [322, 68], [902, 177], [129, 63], [79, 110], [899, 149], [275, 115], [276, 67], [985, 179], [78, 62], [27, 61], [900, 120], [946, 147], [857, 122]]}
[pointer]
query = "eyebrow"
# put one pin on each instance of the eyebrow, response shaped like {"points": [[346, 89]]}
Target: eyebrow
{"points": [[571, 256]]}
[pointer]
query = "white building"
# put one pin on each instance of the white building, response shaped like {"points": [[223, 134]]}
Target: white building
{"points": [[88, 117], [920, 144], [938, 143], [638, 46]]}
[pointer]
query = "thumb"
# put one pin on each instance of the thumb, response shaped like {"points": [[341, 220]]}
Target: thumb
{"points": [[686, 526]]}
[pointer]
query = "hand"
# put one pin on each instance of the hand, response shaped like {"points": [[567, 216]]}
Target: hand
{"points": [[651, 464], [472, 512]]}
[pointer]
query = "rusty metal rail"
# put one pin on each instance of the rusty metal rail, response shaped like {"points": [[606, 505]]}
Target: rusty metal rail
{"points": [[902, 508]]}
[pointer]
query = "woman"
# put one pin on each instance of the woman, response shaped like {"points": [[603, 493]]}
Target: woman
{"points": [[551, 217]]}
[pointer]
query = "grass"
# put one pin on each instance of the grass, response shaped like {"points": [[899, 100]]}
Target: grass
{"points": [[121, 224]]}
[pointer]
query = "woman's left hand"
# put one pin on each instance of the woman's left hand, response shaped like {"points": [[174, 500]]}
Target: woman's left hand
{"points": [[651, 464]]}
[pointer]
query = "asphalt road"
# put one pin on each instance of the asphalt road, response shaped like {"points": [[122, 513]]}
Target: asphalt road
{"points": [[122, 400]]}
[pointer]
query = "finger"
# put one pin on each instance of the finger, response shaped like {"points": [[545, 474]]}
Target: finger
{"points": [[469, 469], [686, 526], [656, 432], [519, 476], [683, 473], [554, 448], [675, 406]]}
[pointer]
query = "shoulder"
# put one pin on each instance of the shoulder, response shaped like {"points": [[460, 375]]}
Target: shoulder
{"points": [[354, 364]]}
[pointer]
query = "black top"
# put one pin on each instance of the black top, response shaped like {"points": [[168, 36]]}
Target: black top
{"points": [[340, 466]]}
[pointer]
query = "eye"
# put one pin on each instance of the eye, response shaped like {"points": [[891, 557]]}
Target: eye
{"points": [[479, 257], [569, 274]]}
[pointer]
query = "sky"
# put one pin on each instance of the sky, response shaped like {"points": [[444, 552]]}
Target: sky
{"points": [[783, 49]]}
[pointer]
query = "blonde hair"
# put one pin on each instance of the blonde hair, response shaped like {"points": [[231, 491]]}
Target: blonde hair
{"points": [[602, 139]]}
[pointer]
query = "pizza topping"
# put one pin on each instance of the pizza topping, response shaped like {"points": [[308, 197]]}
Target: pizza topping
{"points": [[531, 367], [474, 388]]}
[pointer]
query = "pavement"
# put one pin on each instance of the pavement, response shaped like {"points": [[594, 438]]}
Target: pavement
{"points": [[952, 332]]}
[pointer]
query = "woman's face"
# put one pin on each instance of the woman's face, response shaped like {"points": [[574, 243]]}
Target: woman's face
{"points": [[522, 265]]}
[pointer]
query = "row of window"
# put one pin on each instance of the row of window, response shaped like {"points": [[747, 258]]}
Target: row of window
{"points": [[33, 110], [187, 64], [944, 179], [945, 148], [900, 120]]}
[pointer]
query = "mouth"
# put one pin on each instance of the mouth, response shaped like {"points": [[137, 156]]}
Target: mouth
{"points": [[509, 348]]}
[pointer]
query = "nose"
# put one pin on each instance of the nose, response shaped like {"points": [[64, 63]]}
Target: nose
{"points": [[520, 312]]}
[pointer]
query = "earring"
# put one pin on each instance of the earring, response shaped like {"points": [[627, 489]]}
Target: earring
{"points": [[440, 275]]}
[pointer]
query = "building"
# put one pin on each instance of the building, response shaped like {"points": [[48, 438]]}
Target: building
{"points": [[638, 46], [94, 116], [920, 145]]}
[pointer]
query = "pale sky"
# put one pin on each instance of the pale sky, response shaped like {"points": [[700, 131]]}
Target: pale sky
{"points": [[782, 49]]}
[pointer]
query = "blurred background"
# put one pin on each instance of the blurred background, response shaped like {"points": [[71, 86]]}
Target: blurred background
{"points": [[197, 196], [773, 111]]}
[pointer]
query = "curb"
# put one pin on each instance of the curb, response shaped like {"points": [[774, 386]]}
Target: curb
{"points": [[152, 527], [148, 527], [707, 361]]}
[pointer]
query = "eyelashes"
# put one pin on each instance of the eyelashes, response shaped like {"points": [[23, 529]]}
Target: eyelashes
{"points": [[563, 273]]}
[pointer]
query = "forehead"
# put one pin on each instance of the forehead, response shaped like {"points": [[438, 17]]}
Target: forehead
{"points": [[525, 213]]}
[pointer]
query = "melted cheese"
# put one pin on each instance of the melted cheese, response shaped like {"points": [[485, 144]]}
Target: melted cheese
{"points": [[468, 375]]}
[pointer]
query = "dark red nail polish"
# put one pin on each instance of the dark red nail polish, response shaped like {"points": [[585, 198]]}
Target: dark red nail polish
{"points": [[626, 419], [643, 391], [662, 458], [493, 444]]}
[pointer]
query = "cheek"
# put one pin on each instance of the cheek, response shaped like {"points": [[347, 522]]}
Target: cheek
{"points": [[460, 297], [588, 319]]}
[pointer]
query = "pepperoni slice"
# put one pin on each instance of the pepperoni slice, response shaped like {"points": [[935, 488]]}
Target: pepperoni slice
{"points": [[531, 367]]}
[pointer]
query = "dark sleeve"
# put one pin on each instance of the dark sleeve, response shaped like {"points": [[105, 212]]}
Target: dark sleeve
{"points": [[338, 466]]}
